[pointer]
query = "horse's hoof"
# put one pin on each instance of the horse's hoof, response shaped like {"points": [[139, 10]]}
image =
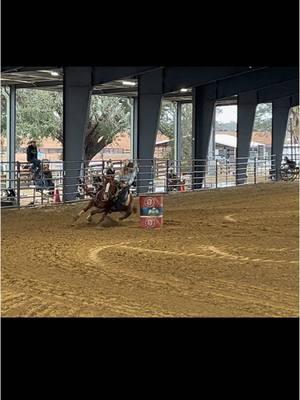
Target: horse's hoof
{"points": [[89, 219], [75, 218]]}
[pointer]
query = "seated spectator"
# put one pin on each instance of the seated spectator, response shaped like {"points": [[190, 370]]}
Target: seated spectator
{"points": [[289, 163], [44, 179]]}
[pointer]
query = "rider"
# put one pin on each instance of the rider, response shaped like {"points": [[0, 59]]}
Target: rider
{"points": [[288, 164], [32, 156], [125, 180]]}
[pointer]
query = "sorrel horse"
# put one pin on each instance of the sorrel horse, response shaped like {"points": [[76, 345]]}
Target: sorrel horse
{"points": [[104, 203]]}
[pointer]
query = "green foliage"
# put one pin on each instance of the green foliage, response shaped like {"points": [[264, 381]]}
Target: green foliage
{"points": [[292, 134], [263, 118], [167, 119], [39, 115], [167, 127], [167, 124], [4, 109], [293, 123], [262, 123], [186, 129], [108, 117]]}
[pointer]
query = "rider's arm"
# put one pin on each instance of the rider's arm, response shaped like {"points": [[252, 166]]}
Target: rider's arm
{"points": [[132, 177]]}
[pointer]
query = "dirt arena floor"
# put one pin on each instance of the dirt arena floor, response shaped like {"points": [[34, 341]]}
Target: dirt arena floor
{"points": [[221, 253]]}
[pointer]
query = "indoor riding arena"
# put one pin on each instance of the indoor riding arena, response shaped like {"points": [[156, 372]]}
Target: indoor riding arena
{"points": [[229, 252], [208, 153]]}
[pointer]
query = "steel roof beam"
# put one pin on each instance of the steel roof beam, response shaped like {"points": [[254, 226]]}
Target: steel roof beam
{"points": [[108, 74], [37, 84], [176, 78], [256, 80], [285, 89]]}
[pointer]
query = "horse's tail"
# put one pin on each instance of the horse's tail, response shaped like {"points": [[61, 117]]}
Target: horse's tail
{"points": [[134, 209]]}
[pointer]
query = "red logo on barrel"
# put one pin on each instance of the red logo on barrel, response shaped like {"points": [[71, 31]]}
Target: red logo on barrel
{"points": [[151, 201], [151, 222]]}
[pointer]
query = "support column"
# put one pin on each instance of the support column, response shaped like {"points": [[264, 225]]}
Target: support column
{"points": [[178, 138], [212, 140], [280, 113], [77, 93], [204, 98], [149, 104], [11, 137], [133, 128], [247, 103]]}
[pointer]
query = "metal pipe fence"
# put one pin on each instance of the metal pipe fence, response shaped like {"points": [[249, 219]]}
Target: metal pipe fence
{"points": [[75, 181]]}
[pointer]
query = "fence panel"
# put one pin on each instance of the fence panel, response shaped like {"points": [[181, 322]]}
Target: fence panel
{"points": [[20, 186]]}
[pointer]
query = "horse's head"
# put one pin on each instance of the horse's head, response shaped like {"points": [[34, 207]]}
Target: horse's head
{"points": [[109, 188]]}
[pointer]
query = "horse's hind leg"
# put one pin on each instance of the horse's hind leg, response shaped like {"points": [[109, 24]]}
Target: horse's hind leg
{"points": [[126, 214], [128, 210], [103, 216], [87, 207]]}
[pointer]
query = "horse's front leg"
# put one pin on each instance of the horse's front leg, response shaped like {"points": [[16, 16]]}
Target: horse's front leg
{"points": [[103, 216], [93, 212], [87, 207]]}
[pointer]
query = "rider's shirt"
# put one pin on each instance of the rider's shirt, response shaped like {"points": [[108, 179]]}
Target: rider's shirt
{"points": [[121, 196], [129, 178]]}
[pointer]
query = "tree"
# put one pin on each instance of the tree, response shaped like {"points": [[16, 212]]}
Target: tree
{"points": [[263, 118], [40, 115], [262, 123], [167, 119], [293, 126], [108, 117], [186, 131], [4, 107], [167, 124]]}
